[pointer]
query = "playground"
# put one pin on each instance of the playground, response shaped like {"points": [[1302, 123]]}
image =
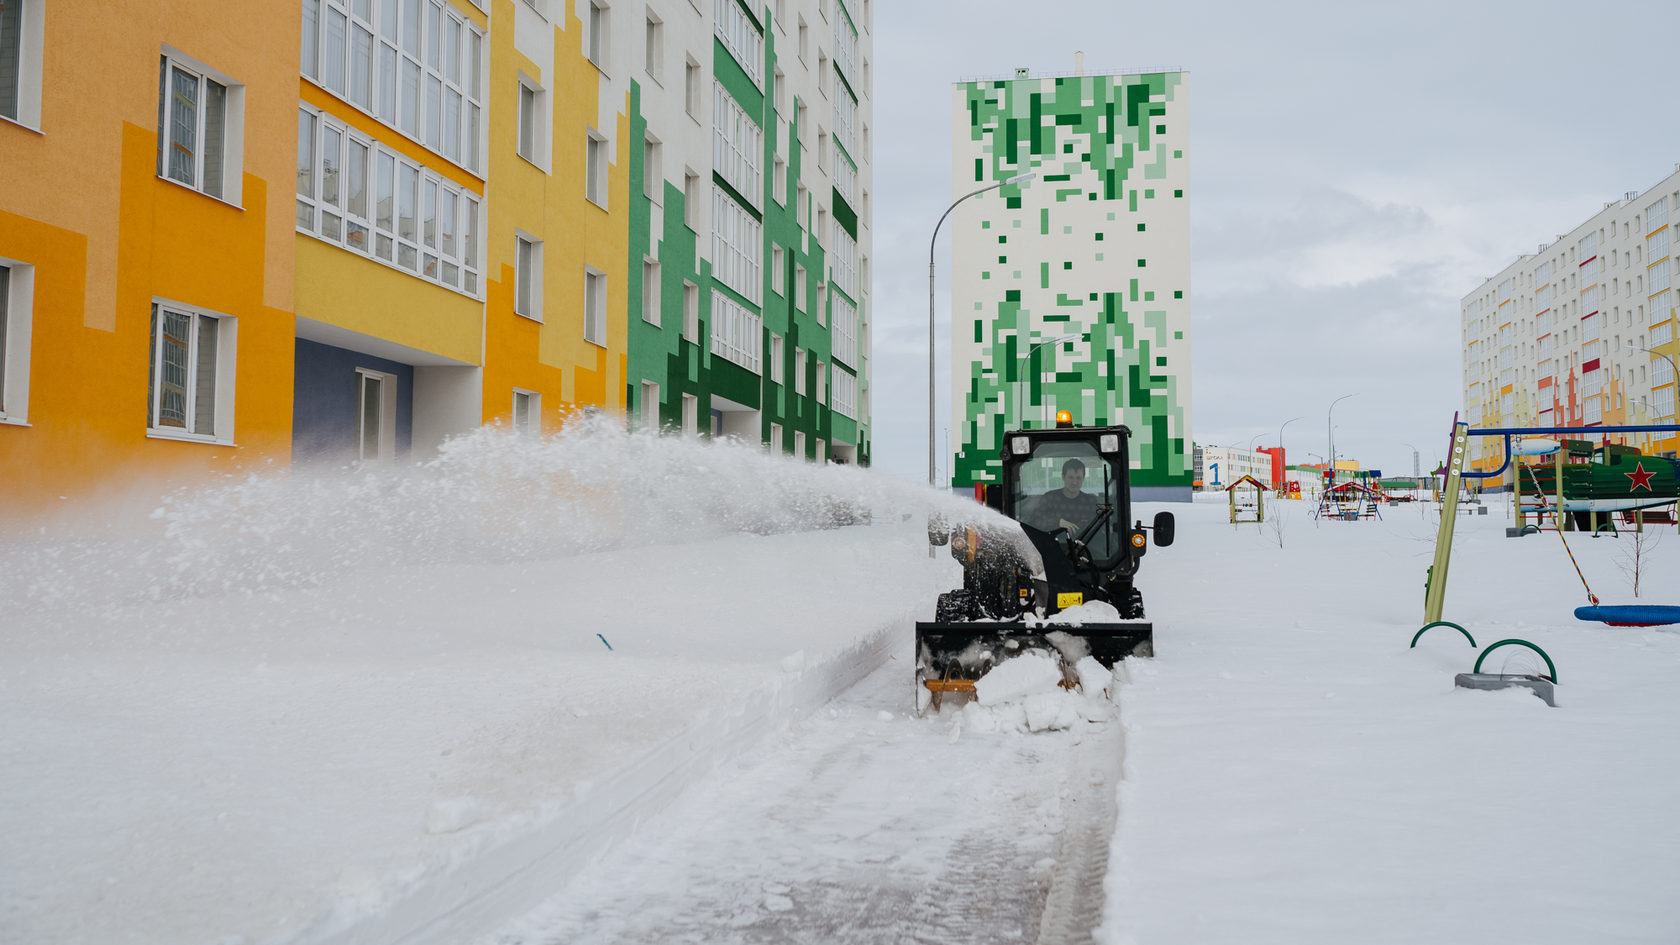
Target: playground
{"points": [[1366, 770]]}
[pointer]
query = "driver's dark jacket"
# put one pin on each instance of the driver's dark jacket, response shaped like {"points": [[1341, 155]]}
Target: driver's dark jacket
{"points": [[1056, 506]]}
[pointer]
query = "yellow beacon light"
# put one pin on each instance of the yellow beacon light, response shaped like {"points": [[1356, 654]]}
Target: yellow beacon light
{"points": [[1064, 418]]}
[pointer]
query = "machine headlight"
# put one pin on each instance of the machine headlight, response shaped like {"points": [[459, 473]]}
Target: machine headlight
{"points": [[1109, 443], [1020, 446]]}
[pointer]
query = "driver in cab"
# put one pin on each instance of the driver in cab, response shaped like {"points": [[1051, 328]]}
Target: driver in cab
{"points": [[1067, 507]]}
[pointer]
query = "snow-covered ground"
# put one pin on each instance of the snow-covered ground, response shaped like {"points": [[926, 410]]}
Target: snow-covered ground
{"points": [[381, 708]]}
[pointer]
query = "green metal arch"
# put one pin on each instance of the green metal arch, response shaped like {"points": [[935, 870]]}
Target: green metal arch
{"points": [[1442, 623], [1490, 649]]}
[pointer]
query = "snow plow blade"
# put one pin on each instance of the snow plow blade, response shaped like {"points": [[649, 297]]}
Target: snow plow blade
{"points": [[950, 656]]}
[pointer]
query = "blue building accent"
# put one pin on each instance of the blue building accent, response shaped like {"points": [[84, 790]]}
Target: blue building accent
{"points": [[324, 402]]}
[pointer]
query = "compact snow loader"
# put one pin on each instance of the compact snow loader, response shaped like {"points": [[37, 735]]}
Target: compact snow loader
{"points": [[1068, 491]]}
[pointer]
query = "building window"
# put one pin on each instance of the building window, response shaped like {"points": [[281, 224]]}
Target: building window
{"points": [[595, 169], [691, 312], [777, 372], [775, 438], [801, 211], [738, 34], [650, 291], [691, 88], [799, 371], [799, 287], [778, 181], [649, 413], [822, 72], [778, 90], [653, 174], [364, 197], [600, 22], [736, 331], [822, 383], [376, 415], [20, 60], [654, 47], [778, 282], [17, 290], [595, 307], [804, 39], [415, 65], [198, 129], [737, 145], [799, 444], [690, 415], [737, 247], [532, 132], [191, 355], [691, 199], [527, 276], [527, 412]]}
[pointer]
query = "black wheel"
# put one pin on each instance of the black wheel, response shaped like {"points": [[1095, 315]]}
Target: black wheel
{"points": [[954, 607]]}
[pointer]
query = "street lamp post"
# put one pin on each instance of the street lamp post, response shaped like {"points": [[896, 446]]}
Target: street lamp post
{"points": [[1331, 430], [1020, 407], [1017, 179]]}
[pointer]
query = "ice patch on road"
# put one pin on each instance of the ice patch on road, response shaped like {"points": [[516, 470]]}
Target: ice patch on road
{"points": [[1024, 694]]}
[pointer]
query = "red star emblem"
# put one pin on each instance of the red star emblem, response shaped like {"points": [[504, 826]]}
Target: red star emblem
{"points": [[1641, 478]]}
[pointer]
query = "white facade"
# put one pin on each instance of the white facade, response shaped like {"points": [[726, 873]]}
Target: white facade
{"points": [[1581, 332]]}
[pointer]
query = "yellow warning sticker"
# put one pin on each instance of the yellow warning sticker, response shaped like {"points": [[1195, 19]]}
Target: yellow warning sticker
{"points": [[1073, 599]]}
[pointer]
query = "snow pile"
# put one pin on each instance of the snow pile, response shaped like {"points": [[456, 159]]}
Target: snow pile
{"points": [[1091, 612], [1025, 694]]}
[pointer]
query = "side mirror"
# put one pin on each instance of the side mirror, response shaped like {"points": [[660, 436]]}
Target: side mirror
{"points": [[1164, 526]]}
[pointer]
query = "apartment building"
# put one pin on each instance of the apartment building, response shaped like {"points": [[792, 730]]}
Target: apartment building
{"points": [[749, 198], [1071, 291], [504, 211], [1581, 332]]}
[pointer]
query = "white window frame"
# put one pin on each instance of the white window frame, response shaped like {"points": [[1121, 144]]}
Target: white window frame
{"points": [[737, 247], [822, 382], [799, 287], [399, 239], [647, 408], [527, 412], [650, 290], [222, 384], [690, 415], [740, 37], [527, 276], [736, 331], [424, 69], [594, 306], [799, 371], [777, 372], [21, 58], [691, 199], [595, 161], [653, 50], [691, 88], [219, 177], [778, 282], [737, 144], [599, 39], [532, 141], [775, 438], [799, 445], [653, 169], [691, 312], [17, 322]]}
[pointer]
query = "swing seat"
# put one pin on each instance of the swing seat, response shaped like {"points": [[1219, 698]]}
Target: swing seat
{"points": [[1631, 615]]}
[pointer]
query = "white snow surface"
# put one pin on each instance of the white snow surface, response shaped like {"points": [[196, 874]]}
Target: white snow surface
{"points": [[381, 706]]}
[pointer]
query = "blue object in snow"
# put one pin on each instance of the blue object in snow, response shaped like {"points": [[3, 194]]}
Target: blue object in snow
{"points": [[604, 642], [1631, 615]]}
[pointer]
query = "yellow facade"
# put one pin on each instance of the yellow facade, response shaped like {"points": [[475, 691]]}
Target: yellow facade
{"points": [[85, 212], [549, 204]]}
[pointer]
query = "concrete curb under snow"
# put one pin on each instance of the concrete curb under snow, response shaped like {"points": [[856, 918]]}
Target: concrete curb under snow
{"points": [[474, 895]]}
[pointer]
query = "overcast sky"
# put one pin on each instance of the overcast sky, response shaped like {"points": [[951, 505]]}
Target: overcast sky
{"points": [[1356, 169]]}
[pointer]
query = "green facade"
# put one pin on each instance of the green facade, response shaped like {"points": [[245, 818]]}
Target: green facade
{"points": [[1097, 247]]}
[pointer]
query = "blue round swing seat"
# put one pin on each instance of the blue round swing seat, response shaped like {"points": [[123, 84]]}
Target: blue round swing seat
{"points": [[1631, 615]]}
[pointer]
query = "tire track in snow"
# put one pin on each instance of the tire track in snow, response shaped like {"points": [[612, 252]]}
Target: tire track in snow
{"points": [[863, 824]]}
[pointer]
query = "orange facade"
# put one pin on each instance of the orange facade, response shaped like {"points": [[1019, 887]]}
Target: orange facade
{"points": [[102, 235]]}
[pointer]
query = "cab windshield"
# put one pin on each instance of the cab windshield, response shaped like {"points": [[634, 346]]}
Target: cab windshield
{"points": [[1068, 485]]}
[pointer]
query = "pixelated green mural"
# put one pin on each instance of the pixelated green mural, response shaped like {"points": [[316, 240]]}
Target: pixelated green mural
{"points": [[1071, 292]]}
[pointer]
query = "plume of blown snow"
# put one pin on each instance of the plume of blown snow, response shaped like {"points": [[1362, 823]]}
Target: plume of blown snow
{"points": [[489, 496]]}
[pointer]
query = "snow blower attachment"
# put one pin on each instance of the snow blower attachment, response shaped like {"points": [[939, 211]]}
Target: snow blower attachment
{"points": [[1057, 579]]}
